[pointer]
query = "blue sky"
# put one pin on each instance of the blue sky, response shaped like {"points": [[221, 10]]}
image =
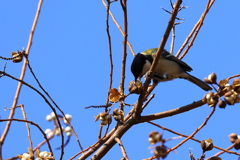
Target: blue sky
{"points": [[70, 57]]}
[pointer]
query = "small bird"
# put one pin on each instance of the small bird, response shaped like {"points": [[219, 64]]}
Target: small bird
{"points": [[168, 68]]}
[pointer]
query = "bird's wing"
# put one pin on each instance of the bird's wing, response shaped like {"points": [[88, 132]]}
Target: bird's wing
{"points": [[165, 54]]}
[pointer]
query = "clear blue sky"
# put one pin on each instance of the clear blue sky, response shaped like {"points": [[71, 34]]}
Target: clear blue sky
{"points": [[70, 57]]}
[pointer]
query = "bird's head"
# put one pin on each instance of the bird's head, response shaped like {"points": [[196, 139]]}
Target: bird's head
{"points": [[140, 65]]}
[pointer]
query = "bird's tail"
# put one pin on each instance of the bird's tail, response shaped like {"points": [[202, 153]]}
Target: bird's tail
{"points": [[199, 83]]}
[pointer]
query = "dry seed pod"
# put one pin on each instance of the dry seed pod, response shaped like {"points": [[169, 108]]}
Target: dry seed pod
{"points": [[215, 158], [154, 137], [237, 89], [213, 78], [160, 152], [118, 114], [222, 83], [233, 137], [236, 82], [230, 98], [208, 80], [207, 145], [135, 87], [221, 103], [114, 95], [237, 144], [210, 99], [17, 57]]}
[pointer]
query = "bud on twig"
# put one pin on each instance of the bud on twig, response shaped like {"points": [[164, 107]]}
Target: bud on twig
{"points": [[207, 145]]}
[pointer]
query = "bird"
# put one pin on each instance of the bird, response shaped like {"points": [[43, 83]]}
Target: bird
{"points": [[168, 68]]}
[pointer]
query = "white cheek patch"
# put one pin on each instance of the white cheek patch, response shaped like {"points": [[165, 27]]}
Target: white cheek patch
{"points": [[146, 68]]}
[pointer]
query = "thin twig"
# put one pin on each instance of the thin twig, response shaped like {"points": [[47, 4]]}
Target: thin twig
{"points": [[150, 98], [226, 150], [195, 30], [28, 128], [110, 50], [122, 148], [195, 132], [7, 127], [238, 75], [124, 54], [118, 26]]}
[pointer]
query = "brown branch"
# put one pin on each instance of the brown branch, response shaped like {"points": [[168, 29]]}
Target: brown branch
{"points": [[150, 98], [7, 127], [111, 141], [34, 124], [195, 132], [171, 112], [94, 147], [28, 128], [169, 130], [119, 27], [158, 53], [195, 30], [125, 157], [238, 75], [124, 54], [110, 50]]}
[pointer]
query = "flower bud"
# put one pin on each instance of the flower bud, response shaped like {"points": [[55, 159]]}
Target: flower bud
{"points": [[154, 137], [160, 152], [17, 57], [221, 103], [233, 137], [207, 145], [213, 78], [237, 144]]}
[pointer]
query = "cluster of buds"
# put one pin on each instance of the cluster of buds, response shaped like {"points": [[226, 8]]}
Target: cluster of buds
{"points": [[17, 56], [135, 87], [207, 145], [67, 119], [234, 138], [104, 117], [67, 130], [44, 155], [52, 117], [161, 150], [231, 92], [118, 114]]}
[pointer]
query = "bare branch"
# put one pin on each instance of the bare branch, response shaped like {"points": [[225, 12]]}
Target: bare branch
{"points": [[119, 27], [125, 157], [28, 128], [194, 31]]}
